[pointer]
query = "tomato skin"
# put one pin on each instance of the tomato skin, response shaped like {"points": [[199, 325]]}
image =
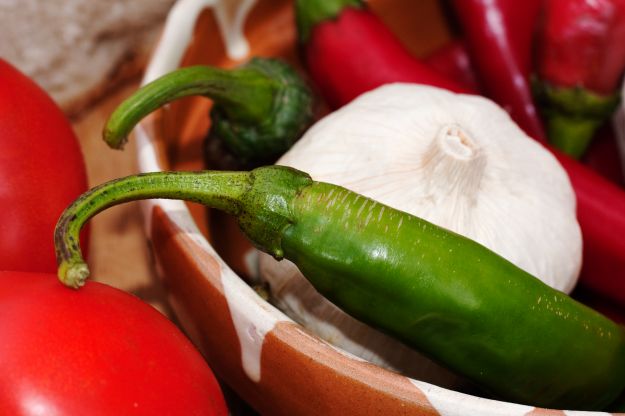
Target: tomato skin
{"points": [[95, 351], [41, 172]]}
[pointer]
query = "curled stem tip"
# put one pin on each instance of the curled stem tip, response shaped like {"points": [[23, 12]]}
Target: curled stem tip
{"points": [[73, 274]]}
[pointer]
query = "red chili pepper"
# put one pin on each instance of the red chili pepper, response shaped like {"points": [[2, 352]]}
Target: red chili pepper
{"points": [[499, 36], [601, 216], [603, 156], [453, 61], [581, 58], [335, 33], [601, 204]]}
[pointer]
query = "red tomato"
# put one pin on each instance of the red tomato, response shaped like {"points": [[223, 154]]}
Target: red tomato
{"points": [[41, 170], [95, 351]]}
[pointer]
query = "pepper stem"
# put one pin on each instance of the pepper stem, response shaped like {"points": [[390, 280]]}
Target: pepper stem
{"points": [[572, 135], [260, 199], [218, 189], [309, 13], [573, 114], [244, 94]]}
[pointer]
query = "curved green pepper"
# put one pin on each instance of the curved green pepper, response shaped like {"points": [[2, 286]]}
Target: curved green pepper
{"points": [[443, 294], [260, 109]]}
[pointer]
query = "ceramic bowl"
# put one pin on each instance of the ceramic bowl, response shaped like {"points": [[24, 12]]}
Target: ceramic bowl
{"points": [[274, 364]]}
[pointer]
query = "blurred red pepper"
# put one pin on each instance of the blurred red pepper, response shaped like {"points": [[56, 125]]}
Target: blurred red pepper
{"points": [[603, 156], [581, 58], [348, 51], [601, 204], [42, 171], [601, 216], [453, 61], [499, 35]]}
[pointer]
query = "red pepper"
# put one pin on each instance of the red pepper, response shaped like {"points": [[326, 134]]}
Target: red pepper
{"points": [[581, 58], [453, 61], [601, 204], [334, 34], [499, 35], [601, 216], [603, 156]]}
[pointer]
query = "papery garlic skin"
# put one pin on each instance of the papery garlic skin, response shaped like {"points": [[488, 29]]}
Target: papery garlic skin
{"points": [[456, 160]]}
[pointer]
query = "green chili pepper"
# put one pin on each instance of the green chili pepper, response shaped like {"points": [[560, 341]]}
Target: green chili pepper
{"points": [[443, 294], [260, 109]]}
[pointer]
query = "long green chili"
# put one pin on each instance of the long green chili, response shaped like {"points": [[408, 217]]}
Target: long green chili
{"points": [[441, 293]]}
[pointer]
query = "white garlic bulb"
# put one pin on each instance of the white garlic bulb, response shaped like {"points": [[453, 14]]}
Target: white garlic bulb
{"points": [[456, 160]]}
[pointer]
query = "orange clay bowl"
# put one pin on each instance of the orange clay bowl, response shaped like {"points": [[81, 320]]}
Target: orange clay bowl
{"points": [[270, 361]]}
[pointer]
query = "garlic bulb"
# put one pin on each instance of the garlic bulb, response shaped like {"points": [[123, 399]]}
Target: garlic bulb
{"points": [[455, 160]]}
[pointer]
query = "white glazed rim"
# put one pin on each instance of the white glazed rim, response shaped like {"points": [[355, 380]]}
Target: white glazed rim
{"points": [[245, 305]]}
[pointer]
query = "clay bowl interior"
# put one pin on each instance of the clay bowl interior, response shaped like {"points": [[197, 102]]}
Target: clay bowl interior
{"points": [[267, 359]]}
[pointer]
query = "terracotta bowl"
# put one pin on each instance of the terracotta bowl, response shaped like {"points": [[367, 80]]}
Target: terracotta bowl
{"points": [[271, 362]]}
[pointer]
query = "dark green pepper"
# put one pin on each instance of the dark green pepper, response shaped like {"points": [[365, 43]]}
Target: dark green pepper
{"points": [[443, 294], [260, 109]]}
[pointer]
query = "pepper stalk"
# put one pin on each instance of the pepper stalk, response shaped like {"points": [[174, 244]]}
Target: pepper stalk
{"points": [[260, 109], [259, 198], [573, 115]]}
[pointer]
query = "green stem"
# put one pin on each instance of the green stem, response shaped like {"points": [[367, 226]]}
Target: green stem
{"points": [[572, 114], [572, 135], [244, 94], [309, 13], [260, 199], [221, 190], [260, 109]]}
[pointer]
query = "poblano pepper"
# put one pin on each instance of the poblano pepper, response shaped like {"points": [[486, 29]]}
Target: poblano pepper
{"points": [[441, 293], [260, 109]]}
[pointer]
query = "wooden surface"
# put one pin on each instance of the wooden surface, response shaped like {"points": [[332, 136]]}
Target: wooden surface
{"points": [[119, 254]]}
